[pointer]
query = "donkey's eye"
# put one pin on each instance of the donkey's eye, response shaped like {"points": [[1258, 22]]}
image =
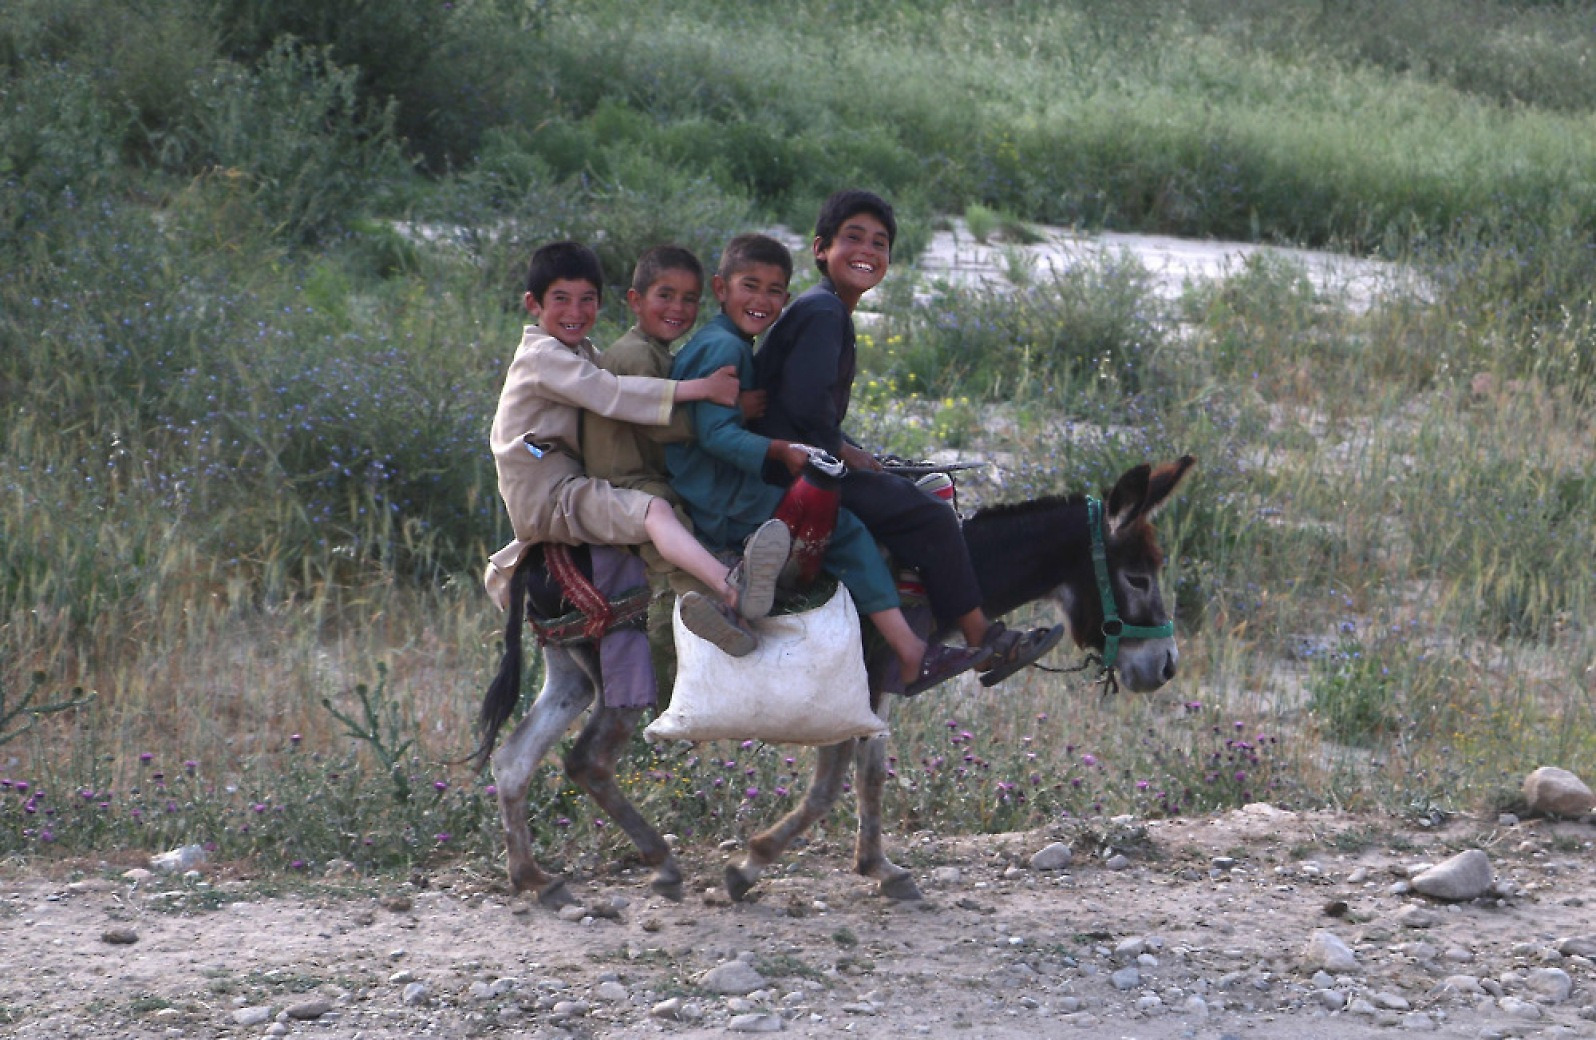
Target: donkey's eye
{"points": [[1139, 583]]}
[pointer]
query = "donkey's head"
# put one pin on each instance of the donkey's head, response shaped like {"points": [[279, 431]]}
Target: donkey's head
{"points": [[1124, 618]]}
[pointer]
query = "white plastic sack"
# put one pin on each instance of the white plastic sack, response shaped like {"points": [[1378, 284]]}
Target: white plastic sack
{"points": [[805, 684]]}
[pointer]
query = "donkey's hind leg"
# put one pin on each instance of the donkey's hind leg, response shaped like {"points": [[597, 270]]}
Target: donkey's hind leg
{"points": [[568, 686], [870, 778], [591, 765], [766, 847]]}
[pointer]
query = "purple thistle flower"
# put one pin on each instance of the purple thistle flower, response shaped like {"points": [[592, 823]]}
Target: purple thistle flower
{"points": [[145, 757], [751, 793]]}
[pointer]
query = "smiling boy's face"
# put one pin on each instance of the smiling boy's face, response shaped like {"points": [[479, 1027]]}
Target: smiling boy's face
{"points": [[752, 297], [856, 258], [568, 311], [669, 307]]}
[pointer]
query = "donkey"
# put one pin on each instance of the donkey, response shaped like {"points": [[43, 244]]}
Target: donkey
{"points": [[1098, 560]]}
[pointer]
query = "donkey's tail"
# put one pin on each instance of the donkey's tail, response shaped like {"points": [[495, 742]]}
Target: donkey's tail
{"points": [[504, 693]]}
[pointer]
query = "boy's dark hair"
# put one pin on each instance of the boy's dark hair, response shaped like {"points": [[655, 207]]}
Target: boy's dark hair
{"points": [[563, 260], [745, 250], [836, 210], [659, 259]]}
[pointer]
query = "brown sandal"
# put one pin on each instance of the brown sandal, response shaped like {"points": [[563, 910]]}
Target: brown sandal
{"points": [[1013, 650], [942, 662]]}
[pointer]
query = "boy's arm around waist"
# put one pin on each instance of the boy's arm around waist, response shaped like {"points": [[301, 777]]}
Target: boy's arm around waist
{"points": [[563, 375], [629, 358]]}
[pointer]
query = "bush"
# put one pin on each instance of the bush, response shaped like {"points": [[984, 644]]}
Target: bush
{"points": [[313, 156]]}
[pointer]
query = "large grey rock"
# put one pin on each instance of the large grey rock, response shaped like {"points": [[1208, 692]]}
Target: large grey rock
{"points": [[1326, 950], [1551, 791], [1467, 875]]}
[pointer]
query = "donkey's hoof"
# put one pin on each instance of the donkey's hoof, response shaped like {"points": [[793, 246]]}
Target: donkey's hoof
{"points": [[668, 888], [738, 885], [556, 895], [901, 888]]}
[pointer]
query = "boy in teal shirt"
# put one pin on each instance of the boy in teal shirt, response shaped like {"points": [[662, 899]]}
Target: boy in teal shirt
{"points": [[718, 474]]}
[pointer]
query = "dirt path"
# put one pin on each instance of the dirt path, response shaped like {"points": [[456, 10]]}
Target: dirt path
{"points": [[1199, 935]]}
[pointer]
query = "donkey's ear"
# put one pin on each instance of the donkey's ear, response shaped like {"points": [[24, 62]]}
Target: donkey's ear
{"points": [[1125, 502], [1165, 480], [1142, 491]]}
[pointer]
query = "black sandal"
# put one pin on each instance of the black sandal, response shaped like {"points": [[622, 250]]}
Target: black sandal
{"points": [[1012, 650]]}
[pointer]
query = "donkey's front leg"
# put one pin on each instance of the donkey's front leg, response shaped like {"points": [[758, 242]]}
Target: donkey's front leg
{"points": [[591, 765], [765, 848], [870, 778], [567, 691]]}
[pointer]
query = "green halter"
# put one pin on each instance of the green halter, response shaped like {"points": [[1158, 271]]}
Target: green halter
{"points": [[1113, 628]]}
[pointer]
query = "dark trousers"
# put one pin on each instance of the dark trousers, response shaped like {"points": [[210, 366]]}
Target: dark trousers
{"points": [[920, 531]]}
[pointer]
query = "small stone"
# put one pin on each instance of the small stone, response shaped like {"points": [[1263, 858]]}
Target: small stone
{"points": [[1419, 1022], [1332, 999], [1467, 875], [415, 993], [1126, 978], [396, 904], [1056, 856], [1580, 946], [120, 936], [1552, 984], [716, 897], [1129, 949], [137, 874], [1117, 862], [669, 1008], [1517, 1008], [1465, 985], [252, 1016], [760, 1023], [1390, 1001], [947, 875], [1195, 1007], [1417, 917], [1557, 792], [178, 860], [611, 991], [1326, 950], [570, 1008], [1358, 876], [309, 1010], [574, 912], [733, 978], [1506, 819]]}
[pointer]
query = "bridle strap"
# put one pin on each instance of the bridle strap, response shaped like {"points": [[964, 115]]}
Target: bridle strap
{"points": [[1113, 628]]}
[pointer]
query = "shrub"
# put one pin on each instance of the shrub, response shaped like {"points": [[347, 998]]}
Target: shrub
{"points": [[294, 130]]}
